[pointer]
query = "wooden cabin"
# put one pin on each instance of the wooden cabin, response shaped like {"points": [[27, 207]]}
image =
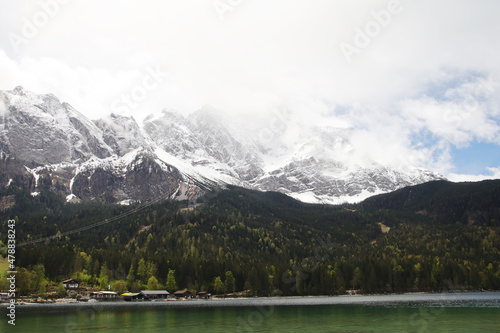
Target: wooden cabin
{"points": [[133, 297], [104, 295], [204, 295], [182, 294], [70, 284], [154, 294]]}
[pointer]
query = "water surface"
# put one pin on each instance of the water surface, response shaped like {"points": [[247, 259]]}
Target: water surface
{"points": [[467, 312]]}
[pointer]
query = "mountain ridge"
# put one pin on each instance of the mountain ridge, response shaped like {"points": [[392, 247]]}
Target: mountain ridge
{"points": [[444, 201], [314, 166]]}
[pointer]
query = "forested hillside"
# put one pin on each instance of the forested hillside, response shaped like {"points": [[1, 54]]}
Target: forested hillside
{"points": [[431, 237]]}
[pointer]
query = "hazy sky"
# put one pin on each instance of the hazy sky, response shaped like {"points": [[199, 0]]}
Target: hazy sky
{"points": [[415, 78]]}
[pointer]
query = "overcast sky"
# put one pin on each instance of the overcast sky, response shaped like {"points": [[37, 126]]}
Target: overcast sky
{"points": [[415, 78]]}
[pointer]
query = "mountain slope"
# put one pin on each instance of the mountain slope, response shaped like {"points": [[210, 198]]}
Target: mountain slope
{"points": [[41, 129], [269, 242], [445, 202], [100, 159], [63, 151], [313, 164]]}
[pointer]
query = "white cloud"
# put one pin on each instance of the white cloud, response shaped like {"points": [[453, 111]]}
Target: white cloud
{"points": [[494, 173], [451, 121], [285, 52]]}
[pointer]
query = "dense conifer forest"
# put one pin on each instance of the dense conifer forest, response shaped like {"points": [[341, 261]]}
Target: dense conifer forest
{"points": [[436, 236]]}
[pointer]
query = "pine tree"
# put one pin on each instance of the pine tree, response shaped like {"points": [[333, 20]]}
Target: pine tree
{"points": [[230, 281], [142, 270], [171, 283], [152, 283], [61, 291], [218, 285], [104, 277], [130, 276]]}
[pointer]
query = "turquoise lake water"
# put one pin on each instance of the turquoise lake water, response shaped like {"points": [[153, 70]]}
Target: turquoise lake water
{"points": [[467, 312]]}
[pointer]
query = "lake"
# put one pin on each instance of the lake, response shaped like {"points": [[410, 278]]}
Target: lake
{"points": [[455, 312]]}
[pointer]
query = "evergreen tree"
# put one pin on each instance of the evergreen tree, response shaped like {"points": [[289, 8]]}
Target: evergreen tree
{"points": [[142, 270], [230, 281], [104, 277], [152, 283], [171, 283], [39, 281], [218, 285], [130, 276], [61, 291]]}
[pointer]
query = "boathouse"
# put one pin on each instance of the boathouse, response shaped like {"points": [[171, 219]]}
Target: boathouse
{"points": [[182, 294], [154, 294], [104, 295], [204, 295], [132, 297]]}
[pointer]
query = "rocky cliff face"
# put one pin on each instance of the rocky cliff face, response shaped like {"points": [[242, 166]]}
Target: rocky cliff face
{"points": [[43, 130], [313, 164], [65, 152], [122, 134], [117, 160], [204, 140], [136, 177]]}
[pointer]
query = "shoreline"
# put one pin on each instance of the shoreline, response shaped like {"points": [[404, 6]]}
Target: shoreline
{"points": [[407, 299]]}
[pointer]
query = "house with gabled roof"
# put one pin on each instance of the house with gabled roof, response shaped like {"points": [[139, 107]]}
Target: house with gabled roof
{"points": [[182, 294], [154, 294], [70, 284]]}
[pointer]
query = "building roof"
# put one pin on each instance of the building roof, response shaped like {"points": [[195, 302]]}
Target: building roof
{"points": [[154, 292], [182, 292], [104, 292], [69, 280], [131, 294]]}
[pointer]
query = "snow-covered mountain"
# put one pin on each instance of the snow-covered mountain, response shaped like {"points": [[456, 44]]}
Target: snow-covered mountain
{"points": [[311, 163], [116, 159], [64, 151]]}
